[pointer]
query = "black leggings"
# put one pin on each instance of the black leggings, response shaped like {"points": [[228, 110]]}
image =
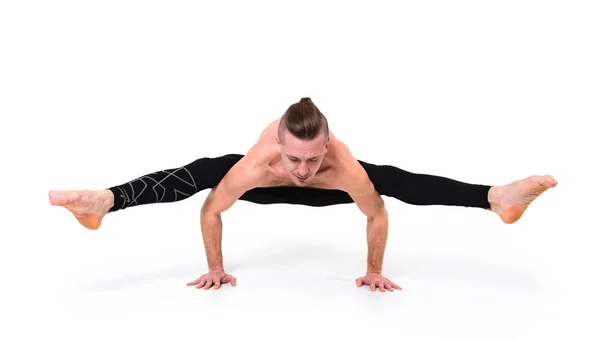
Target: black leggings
{"points": [[180, 183]]}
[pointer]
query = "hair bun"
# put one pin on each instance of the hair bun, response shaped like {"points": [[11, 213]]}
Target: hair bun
{"points": [[305, 99]]}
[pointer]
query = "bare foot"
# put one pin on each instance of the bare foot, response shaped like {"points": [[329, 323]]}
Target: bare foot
{"points": [[89, 207], [510, 201]]}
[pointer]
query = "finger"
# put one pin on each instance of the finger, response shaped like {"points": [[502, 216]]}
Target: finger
{"points": [[201, 283], [381, 286], [388, 286], [359, 282], [217, 284], [394, 285], [209, 283], [196, 281], [372, 285], [233, 281], [226, 279]]}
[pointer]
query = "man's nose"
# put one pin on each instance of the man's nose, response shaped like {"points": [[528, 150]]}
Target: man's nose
{"points": [[303, 169]]}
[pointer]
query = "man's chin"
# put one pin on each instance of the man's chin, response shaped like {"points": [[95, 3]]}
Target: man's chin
{"points": [[302, 182]]}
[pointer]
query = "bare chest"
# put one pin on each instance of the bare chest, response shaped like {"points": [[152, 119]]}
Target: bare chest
{"points": [[325, 178], [332, 174]]}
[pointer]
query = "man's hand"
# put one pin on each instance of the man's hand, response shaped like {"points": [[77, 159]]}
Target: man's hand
{"points": [[376, 280], [215, 277]]}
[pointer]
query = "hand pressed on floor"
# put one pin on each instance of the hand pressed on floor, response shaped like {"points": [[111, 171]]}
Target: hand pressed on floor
{"points": [[213, 278], [376, 280]]}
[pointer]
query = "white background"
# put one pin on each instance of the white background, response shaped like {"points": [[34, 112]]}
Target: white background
{"points": [[94, 94]]}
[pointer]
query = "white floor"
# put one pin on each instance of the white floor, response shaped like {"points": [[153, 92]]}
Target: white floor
{"points": [[464, 275], [97, 94]]}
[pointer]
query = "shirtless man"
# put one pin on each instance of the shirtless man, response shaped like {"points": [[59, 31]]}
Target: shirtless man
{"points": [[298, 160]]}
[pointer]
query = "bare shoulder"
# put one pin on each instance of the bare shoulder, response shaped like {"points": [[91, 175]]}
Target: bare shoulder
{"points": [[265, 147], [249, 172], [242, 177], [352, 175], [354, 180]]}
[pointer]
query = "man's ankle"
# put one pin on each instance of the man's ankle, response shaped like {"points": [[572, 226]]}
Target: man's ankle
{"points": [[108, 199], [494, 197]]}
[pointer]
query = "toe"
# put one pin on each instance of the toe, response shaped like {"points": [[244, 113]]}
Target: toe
{"points": [[541, 183], [61, 198], [551, 181], [55, 198], [535, 183]]}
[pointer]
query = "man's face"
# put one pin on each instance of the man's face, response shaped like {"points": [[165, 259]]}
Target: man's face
{"points": [[301, 158]]}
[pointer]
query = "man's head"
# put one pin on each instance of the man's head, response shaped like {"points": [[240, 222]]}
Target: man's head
{"points": [[303, 138]]}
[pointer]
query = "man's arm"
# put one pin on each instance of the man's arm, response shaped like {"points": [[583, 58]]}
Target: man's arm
{"points": [[363, 192], [239, 179]]}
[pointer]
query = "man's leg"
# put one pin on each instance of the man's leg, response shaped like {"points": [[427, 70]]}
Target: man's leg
{"points": [[509, 201], [170, 185], [174, 184], [425, 189], [307, 196], [180, 183]]}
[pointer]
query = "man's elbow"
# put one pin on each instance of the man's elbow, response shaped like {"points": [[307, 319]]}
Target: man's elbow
{"points": [[207, 211], [209, 208], [379, 214]]}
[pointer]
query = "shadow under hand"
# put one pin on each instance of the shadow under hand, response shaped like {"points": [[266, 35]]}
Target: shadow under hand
{"points": [[342, 265]]}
